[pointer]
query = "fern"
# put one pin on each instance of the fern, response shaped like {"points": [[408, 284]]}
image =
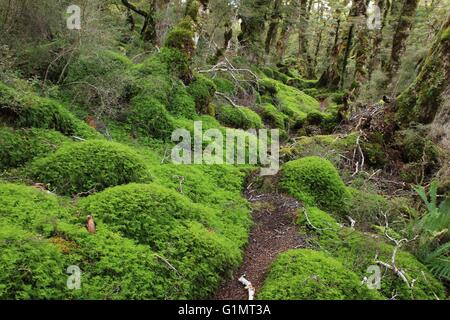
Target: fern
{"points": [[434, 226], [439, 262]]}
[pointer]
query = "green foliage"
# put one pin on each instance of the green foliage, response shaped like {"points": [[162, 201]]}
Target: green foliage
{"points": [[19, 146], [243, 118], [191, 236], [150, 117], [202, 90], [24, 109], [434, 228], [367, 208], [86, 166], [315, 181], [305, 274]]}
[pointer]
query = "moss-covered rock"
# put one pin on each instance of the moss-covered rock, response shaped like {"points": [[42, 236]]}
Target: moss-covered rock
{"points": [[315, 181], [305, 274], [19, 146], [86, 166]]}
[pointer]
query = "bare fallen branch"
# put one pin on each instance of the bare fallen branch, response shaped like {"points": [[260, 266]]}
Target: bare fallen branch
{"points": [[248, 286]]}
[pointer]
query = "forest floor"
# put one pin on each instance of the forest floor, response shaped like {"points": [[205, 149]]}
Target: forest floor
{"points": [[274, 231]]}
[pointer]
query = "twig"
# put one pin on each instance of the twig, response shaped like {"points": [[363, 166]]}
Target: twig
{"points": [[248, 286]]}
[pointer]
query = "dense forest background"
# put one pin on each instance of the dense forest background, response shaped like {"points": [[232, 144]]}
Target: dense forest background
{"points": [[358, 89]]}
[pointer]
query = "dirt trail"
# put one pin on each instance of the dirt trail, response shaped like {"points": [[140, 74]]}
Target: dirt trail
{"points": [[273, 232]]}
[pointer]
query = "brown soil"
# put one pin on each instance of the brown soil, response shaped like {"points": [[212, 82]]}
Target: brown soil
{"points": [[274, 232]]}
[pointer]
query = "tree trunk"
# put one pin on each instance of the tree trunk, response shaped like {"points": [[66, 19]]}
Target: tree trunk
{"points": [[431, 88], [375, 61], [273, 26], [285, 33], [304, 58], [401, 34]]}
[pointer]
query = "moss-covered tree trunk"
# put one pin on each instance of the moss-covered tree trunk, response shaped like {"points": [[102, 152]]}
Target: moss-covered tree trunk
{"points": [[273, 26], [334, 76], [305, 61], [361, 47], [431, 88], [375, 61], [401, 34]]}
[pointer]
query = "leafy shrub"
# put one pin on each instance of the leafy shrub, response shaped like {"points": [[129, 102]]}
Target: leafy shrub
{"points": [[19, 146], [149, 116], [224, 85], [315, 181], [243, 118], [90, 165], [24, 109], [305, 274], [190, 236], [202, 90]]}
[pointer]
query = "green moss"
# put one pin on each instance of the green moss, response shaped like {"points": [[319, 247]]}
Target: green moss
{"points": [[224, 85], [315, 181], [357, 251], [91, 66], [19, 146], [24, 109], [312, 275], [445, 34], [414, 145], [319, 222], [274, 117], [181, 39], [367, 208], [242, 117], [29, 208], [202, 90], [87, 166], [192, 237], [182, 104], [150, 117]]}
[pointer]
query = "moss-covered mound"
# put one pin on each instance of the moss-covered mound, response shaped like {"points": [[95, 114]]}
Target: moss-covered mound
{"points": [[357, 251], [243, 118], [202, 90], [88, 166], [181, 103], [274, 117], [312, 275], [149, 116], [39, 240], [19, 146], [315, 181], [27, 110], [192, 237]]}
